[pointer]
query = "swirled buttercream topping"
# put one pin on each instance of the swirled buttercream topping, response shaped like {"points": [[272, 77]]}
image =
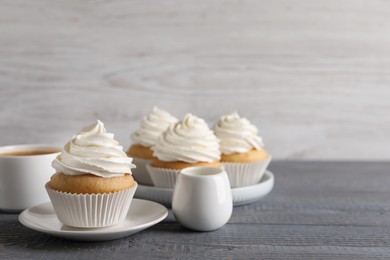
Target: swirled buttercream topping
{"points": [[93, 151], [237, 134], [189, 140], [152, 126]]}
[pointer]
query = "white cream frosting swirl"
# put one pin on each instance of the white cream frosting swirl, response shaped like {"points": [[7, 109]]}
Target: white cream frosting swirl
{"points": [[189, 140], [237, 134], [93, 151], [152, 126]]}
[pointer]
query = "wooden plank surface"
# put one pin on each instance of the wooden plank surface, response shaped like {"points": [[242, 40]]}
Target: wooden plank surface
{"points": [[317, 210], [314, 76]]}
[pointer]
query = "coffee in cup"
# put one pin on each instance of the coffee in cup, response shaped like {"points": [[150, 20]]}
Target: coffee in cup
{"points": [[24, 170]]}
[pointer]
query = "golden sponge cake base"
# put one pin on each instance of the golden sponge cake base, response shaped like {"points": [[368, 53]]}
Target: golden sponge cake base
{"points": [[139, 151], [178, 165], [90, 184], [251, 156]]}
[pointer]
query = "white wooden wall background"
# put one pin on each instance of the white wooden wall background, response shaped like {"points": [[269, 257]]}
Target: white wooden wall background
{"points": [[314, 76]]}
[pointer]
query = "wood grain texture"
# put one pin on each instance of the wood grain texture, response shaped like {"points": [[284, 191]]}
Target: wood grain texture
{"points": [[312, 75], [317, 210]]}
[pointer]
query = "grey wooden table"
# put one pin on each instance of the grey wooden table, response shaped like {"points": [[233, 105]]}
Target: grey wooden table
{"points": [[316, 210]]}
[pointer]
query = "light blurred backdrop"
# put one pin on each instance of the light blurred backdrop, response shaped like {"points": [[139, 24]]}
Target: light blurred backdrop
{"points": [[314, 76]]}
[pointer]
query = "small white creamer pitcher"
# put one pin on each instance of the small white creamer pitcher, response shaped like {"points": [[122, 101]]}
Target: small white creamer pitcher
{"points": [[202, 198]]}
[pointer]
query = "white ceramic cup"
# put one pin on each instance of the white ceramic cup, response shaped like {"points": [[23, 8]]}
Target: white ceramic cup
{"points": [[23, 177], [202, 198]]}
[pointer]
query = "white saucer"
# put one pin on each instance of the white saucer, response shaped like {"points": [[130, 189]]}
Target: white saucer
{"points": [[142, 214], [241, 196]]}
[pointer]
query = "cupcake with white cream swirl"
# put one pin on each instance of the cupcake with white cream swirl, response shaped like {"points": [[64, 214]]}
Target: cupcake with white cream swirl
{"points": [[243, 154], [93, 184], [144, 138], [187, 143]]}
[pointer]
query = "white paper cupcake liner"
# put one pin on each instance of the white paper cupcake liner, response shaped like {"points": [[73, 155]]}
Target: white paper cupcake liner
{"points": [[163, 178], [245, 174], [91, 210], [141, 174]]}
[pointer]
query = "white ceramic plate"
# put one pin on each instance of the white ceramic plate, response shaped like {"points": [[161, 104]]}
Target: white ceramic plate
{"points": [[241, 196], [142, 214]]}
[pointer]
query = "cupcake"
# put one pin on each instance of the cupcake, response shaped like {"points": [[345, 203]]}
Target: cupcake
{"points": [[93, 185], [184, 144], [243, 155], [144, 138]]}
